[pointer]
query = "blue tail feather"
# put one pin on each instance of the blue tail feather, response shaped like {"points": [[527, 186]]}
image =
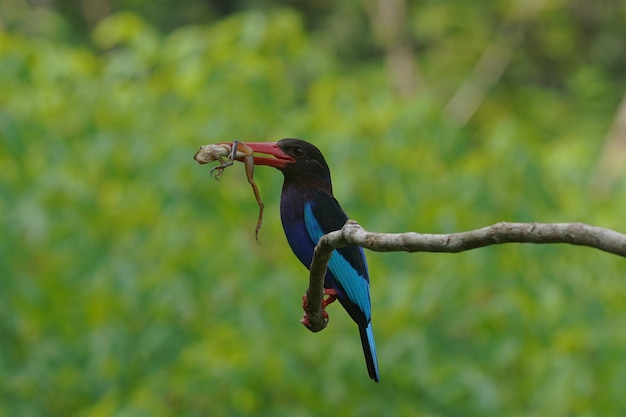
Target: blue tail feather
{"points": [[369, 349]]}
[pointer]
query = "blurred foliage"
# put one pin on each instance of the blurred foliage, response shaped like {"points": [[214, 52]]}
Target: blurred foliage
{"points": [[131, 283]]}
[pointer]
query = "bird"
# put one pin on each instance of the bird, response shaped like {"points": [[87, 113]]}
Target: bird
{"points": [[309, 210]]}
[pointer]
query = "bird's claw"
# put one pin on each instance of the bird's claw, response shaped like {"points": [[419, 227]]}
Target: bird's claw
{"points": [[331, 296], [307, 322]]}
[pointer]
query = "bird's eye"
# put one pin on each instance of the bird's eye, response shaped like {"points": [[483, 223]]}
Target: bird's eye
{"points": [[298, 152]]}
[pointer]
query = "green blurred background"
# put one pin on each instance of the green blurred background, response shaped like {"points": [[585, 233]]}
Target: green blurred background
{"points": [[131, 283]]}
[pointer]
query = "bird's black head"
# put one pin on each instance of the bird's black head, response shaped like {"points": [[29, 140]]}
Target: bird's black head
{"points": [[300, 162], [308, 162]]}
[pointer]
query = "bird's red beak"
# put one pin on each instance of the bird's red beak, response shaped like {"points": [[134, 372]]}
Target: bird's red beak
{"points": [[279, 160]]}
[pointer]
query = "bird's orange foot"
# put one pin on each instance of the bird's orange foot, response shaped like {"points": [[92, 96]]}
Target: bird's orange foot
{"points": [[307, 323], [331, 297]]}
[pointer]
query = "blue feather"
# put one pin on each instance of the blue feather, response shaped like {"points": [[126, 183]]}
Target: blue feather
{"points": [[352, 282], [372, 345]]}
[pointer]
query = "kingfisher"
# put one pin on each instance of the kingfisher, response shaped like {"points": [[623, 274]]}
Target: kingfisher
{"points": [[309, 210]]}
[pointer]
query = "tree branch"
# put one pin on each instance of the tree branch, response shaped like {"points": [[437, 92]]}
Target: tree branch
{"points": [[352, 234]]}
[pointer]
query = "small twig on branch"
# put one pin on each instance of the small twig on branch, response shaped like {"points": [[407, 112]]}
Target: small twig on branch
{"points": [[352, 234]]}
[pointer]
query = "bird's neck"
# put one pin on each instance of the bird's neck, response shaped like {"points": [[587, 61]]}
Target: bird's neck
{"points": [[296, 194], [299, 192]]}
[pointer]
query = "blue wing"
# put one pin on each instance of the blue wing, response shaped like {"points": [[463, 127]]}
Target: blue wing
{"points": [[347, 265]]}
